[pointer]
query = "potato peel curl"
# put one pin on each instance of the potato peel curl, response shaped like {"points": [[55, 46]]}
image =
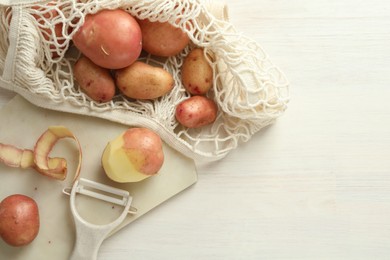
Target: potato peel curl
{"points": [[38, 158]]}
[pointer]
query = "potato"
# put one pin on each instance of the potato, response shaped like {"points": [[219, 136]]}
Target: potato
{"points": [[110, 38], [95, 81], [196, 72], [133, 156], [162, 39], [196, 111], [47, 32], [143, 81], [19, 220]]}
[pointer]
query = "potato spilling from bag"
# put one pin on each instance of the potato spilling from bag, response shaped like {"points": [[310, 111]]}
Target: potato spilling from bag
{"points": [[196, 111], [57, 29], [19, 220], [197, 74], [94, 80], [133, 156], [143, 81], [110, 38], [162, 39]]}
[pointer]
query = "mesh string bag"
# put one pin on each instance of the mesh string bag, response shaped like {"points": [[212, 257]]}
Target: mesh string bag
{"points": [[36, 61]]}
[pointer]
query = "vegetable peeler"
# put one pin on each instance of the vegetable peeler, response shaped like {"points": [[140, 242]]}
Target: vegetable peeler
{"points": [[90, 236]]}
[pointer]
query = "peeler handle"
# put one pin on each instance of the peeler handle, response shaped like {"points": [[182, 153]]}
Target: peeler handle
{"points": [[88, 240], [89, 236]]}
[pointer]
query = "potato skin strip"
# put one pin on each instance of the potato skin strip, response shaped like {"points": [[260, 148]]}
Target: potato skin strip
{"points": [[11, 156], [38, 158]]}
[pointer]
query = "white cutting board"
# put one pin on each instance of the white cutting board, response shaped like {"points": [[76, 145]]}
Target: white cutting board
{"points": [[21, 123]]}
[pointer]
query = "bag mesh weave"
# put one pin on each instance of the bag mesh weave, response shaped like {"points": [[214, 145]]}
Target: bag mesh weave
{"points": [[249, 90]]}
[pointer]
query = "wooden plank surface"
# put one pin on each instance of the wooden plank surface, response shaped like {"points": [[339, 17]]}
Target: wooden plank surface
{"points": [[316, 185]]}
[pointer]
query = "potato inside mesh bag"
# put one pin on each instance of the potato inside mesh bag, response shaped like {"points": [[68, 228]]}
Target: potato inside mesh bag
{"points": [[37, 57]]}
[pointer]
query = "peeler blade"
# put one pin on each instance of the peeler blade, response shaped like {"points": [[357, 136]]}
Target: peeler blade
{"points": [[99, 191]]}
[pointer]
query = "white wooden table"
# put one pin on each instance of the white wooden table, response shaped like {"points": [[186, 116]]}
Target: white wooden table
{"points": [[316, 185]]}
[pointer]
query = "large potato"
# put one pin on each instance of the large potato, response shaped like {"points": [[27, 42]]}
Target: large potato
{"points": [[110, 38], [196, 72], [143, 81], [162, 39], [19, 220], [95, 81], [133, 156], [197, 111]]}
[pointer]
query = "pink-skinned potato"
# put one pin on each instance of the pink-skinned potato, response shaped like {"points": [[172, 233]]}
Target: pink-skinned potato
{"points": [[48, 32], [49, 14], [133, 156], [94, 80], [110, 38], [196, 111], [19, 220], [162, 39]]}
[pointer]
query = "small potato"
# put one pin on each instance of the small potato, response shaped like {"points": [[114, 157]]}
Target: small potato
{"points": [[143, 81], [19, 220], [95, 81], [197, 111], [162, 39], [197, 74], [110, 38]]}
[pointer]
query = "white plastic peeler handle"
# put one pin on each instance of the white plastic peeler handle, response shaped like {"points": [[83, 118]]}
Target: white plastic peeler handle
{"points": [[89, 236]]}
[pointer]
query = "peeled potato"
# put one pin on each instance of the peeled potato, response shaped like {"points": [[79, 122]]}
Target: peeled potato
{"points": [[95, 81], [134, 155], [143, 81], [162, 39], [196, 111], [19, 220], [197, 74]]}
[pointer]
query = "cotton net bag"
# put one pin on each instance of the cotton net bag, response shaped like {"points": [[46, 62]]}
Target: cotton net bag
{"points": [[249, 90]]}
